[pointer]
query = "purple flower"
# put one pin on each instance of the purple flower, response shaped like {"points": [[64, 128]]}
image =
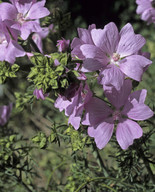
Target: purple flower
{"points": [[63, 45], [39, 36], [84, 38], [9, 48], [73, 103], [39, 94], [101, 118], [5, 111], [25, 14], [115, 54], [146, 10]]}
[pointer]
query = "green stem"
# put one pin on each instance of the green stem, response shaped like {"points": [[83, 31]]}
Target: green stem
{"points": [[49, 99], [101, 178], [99, 160], [147, 165], [50, 177]]}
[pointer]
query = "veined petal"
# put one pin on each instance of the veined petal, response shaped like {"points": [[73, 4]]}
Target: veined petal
{"points": [[90, 65], [75, 118], [97, 111], [139, 95], [126, 29], [62, 103], [129, 44], [107, 39], [28, 27], [102, 132], [85, 36], [91, 51], [119, 97], [38, 10], [14, 50], [7, 11], [134, 66], [127, 130], [137, 111], [111, 76], [76, 42]]}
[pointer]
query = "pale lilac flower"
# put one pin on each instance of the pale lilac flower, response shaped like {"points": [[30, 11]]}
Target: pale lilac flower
{"points": [[25, 14], [39, 94], [63, 45], [9, 48], [39, 36], [84, 38], [73, 103], [101, 118], [5, 111], [146, 8], [114, 54]]}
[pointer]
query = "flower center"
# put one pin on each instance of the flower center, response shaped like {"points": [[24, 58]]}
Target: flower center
{"points": [[116, 115], [115, 57], [20, 18]]}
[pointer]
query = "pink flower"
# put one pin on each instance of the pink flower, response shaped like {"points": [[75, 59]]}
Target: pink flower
{"points": [[101, 118], [9, 48], [73, 103], [146, 8], [5, 111], [39, 94], [114, 54], [25, 14], [63, 45], [39, 36], [84, 38]]}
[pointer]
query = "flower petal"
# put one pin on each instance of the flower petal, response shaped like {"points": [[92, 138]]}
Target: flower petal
{"points": [[129, 44], [7, 11], [118, 97], [85, 36], [38, 10], [111, 76], [107, 39], [14, 50], [127, 130], [134, 66], [97, 111], [90, 65], [102, 132], [137, 111]]}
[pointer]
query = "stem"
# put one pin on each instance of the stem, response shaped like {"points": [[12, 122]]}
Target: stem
{"points": [[147, 165], [76, 61], [101, 178], [34, 46], [50, 177], [99, 160]]}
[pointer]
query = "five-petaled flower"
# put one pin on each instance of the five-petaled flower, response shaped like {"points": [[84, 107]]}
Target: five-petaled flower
{"points": [[101, 118]]}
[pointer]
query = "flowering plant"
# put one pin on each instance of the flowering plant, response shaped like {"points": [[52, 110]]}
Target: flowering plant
{"points": [[79, 102]]}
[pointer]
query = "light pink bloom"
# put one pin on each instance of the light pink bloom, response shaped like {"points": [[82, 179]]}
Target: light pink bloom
{"points": [[101, 118], [63, 45], [39, 94], [9, 48], [5, 111], [84, 38], [25, 14], [146, 8], [39, 36], [73, 103], [114, 54]]}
